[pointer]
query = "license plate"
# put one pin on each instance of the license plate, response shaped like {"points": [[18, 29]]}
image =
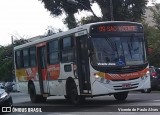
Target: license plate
{"points": [[126, 85]]}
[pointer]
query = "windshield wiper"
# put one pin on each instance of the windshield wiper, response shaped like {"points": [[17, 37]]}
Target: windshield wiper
{"points": [[116, 48], [129, 47], [113, 45], [110, 43]]}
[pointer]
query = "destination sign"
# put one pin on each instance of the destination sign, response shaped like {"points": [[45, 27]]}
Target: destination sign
{"points": [[116, 28]]}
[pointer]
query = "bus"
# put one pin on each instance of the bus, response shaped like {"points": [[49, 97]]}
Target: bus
{"points": [[96, 59]]}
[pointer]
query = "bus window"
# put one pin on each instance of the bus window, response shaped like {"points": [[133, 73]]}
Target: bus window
{"points": [[18, 57], [118, 51], [19, 61], [25, 58], [53, 52], [67, 51], [67, 42], [33, 56]]}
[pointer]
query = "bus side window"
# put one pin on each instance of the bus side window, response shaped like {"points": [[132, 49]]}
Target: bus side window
{"points": [[19, 59], [26, 57], [32, 53], [53, 52], [67, 49]]}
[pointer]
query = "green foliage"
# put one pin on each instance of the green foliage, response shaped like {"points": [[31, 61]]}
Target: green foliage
{"points": [[156, 15], [19, 42], [131, 10], [57, 7], [153, 37], [89, 19], [6, 60], [70, 21]]}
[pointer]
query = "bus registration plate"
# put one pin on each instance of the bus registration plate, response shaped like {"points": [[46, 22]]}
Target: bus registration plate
{"points": [[126, 85]]}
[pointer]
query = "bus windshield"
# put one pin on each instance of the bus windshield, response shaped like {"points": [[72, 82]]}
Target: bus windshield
{"points": [[118, 51]]}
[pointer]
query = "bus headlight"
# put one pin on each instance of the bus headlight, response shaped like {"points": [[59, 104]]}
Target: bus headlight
{"points": [[145, 76], [99, 75], [96, 76], [147, 72]]}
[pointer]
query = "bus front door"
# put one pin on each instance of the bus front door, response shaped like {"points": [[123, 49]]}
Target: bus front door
{"points": [[42, 69], [83, 64]]}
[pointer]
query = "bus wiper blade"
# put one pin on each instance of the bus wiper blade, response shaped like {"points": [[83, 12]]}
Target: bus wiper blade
{"points": [[113, 45], [116, 48], [129, 47], [110, 43]]}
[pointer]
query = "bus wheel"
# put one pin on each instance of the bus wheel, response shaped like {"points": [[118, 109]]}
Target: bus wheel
{"points": [[146, 90], [67, 97], [121, 96], [41, 98], [35, 98], [74, 97], [32, 93]]}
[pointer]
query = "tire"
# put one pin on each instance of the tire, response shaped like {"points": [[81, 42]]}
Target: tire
{"points": [[67, 97], [35, 98], [146, 90], [121, 96], [74, 97]]}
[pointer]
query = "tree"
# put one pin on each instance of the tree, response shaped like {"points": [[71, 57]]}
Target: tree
{"points": [[153, 36], [57, 7], [88, 19], [21, 41], [6, 60], [132, 10], [156, 15], [51, 30]]}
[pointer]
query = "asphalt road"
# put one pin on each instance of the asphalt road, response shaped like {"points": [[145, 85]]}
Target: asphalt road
{"points": [[57, 105]]}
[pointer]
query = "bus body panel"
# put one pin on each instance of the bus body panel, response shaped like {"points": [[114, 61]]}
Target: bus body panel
{"points": [[51, 79]]}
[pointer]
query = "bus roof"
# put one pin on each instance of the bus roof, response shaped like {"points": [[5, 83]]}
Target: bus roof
{"points": [[71, 31]]}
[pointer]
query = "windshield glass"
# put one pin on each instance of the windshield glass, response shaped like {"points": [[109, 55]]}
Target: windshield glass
{"points": [[119, 51]]}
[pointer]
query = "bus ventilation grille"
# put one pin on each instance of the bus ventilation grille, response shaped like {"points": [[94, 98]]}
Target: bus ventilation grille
{"points": [[124, 79], [126, 86]]}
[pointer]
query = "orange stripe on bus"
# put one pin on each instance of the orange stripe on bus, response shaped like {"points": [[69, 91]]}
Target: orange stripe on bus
{"points": [[126, 76]]}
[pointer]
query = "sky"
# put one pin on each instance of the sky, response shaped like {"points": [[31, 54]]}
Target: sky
{"points": [[29, 18]]}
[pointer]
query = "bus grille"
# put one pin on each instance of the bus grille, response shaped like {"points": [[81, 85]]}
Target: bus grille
{"points": [[126, 87], [124, 79], [125, 70]]}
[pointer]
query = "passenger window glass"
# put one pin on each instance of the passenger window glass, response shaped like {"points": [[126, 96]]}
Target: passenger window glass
{"points": [[25, 58], [53, 52], [33, 56], [68, 50], [67, 55], [18, 58], [53, 46], [67, 42]]}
